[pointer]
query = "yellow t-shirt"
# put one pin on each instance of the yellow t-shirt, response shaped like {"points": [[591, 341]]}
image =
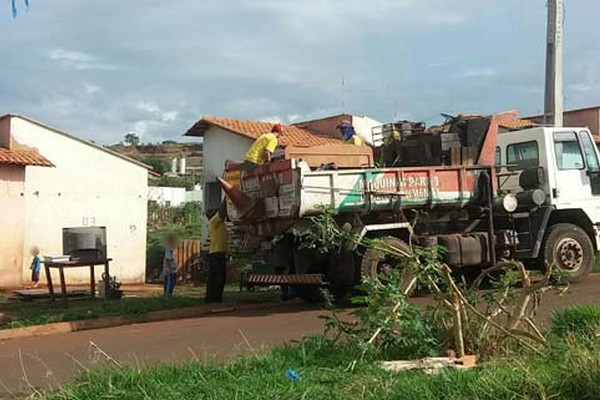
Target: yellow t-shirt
{"points": [[256, 152], [355, 140], [217, 232]]}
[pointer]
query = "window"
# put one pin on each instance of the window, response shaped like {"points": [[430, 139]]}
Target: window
{"points": [[589, 151], [568, 153], [522, 155]]}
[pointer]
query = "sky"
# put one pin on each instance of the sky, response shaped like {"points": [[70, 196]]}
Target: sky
{"points": [[102, 68]]}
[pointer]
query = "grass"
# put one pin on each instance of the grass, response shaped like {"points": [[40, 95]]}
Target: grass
{"points": [[596, 267], [330, 371], [43, 312]]}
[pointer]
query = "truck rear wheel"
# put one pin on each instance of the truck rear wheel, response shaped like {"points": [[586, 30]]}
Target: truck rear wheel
{"points": [[569, 249], [375, 262]]}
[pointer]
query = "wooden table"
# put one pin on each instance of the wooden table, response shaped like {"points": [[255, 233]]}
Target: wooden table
{"points": [[76, 264]]}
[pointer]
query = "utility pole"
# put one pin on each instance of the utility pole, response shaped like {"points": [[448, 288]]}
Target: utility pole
{"points": [[553, 100]]}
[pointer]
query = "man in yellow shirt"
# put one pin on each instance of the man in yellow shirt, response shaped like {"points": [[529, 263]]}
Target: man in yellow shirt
{"points": [[262, 149], [217, 255], [349, 135]]}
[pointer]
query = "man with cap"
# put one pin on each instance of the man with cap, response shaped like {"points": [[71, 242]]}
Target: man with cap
{"points": [[262, 149], [349, 135]]}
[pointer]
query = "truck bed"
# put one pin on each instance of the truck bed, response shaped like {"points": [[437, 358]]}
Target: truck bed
{"points": [[289, 189]]}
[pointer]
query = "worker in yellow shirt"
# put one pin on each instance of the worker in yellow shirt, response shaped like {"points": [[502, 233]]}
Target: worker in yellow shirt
{"points": [[349, 135], [262, 149], [217, 254]]}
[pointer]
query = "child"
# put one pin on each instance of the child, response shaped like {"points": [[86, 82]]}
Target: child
{"points": [[170, 266], [36, 265]]}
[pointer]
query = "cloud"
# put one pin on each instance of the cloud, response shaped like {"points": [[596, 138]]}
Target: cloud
{"points": [[112, 68], [476, 72], [77, 60]]}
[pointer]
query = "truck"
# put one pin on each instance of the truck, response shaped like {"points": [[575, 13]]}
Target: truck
{"points": [[483, 194]]}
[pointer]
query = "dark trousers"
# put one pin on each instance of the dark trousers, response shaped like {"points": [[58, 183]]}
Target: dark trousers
{"points": [[217, 274], [169, 284]]}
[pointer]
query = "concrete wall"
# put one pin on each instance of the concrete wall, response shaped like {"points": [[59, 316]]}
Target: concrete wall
{"points": [[328, 126], [12, 204], [87, 187], [364, 127], [220, 145], [167, 196]]}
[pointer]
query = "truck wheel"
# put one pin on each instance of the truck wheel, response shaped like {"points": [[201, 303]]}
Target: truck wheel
{"points": [[569, 249], [375, 263]]}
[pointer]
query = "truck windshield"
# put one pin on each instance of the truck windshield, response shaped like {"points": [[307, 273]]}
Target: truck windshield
{"points": [[522, 155], [568, 153]]}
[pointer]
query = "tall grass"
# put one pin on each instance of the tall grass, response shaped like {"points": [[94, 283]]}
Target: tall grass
{"points": [[331, 371]]}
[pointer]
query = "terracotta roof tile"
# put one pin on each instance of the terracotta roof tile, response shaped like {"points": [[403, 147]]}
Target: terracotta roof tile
{"points": [[516, 124], [23, 158], [293, 135]]}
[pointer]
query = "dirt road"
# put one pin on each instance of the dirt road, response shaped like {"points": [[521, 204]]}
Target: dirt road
{"points": [[46, 362]]}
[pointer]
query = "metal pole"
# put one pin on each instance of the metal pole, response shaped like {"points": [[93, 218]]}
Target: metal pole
{"points": [[553, 100]]}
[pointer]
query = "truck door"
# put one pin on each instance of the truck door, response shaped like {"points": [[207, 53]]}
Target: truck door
{"points": [[577, 172]]}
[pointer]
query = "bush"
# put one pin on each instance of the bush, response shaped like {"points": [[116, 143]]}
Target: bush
{"points": [[581, 321]]}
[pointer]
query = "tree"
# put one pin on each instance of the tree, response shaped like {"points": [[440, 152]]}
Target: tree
{"points": [[132, 139], [159, 165]]}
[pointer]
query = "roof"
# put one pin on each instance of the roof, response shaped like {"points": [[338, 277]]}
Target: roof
{"points": [[569, 111], [294, 135], [516, 124], [23, 158], [70, 136]]}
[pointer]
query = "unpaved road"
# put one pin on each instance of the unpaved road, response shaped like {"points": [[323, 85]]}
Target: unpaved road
{"points": [[46, 362]]}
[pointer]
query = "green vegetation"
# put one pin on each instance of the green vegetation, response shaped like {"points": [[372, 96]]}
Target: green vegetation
{"points": [[44, 312], [581, 321], [596, 267], [41, 312], [158, 164], [174, 181], [328, 370]]}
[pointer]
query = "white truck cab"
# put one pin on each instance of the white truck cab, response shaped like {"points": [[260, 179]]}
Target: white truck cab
{"points": [[564, 164]]}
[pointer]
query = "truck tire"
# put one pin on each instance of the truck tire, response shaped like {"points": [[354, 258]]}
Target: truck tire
{"points": [[373, 263], [569, 249]]}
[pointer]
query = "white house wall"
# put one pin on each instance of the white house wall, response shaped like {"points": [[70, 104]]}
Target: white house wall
{"points": [[221, 145], [87, 187], [11, 220]]}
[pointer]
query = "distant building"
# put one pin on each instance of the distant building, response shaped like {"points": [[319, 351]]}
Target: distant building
{"points": [[165, 196], [583, 117], [52, 180], [363, 125]]}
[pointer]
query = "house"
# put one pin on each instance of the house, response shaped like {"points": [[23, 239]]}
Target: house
{"points": [[229, 139], [53, 180], [12, 202], [583, 117], [363, 125]]}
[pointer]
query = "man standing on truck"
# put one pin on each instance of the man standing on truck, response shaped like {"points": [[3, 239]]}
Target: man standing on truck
{"points": [[262, 149], [217, 255], [349, 135]]}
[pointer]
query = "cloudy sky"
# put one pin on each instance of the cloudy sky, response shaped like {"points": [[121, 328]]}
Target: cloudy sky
{"points": [[102, 68]]}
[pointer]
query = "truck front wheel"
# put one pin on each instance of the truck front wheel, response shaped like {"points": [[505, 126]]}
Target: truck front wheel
{"points": [[569, 249]]}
